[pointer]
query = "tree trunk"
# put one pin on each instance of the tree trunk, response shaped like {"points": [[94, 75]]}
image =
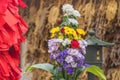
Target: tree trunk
{"points": [[101, 15]]}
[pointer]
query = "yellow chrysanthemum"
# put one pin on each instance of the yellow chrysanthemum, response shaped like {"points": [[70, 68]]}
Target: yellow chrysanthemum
{"points": [[75, 37], [66, 27], [53, 30], [60, 37], [81, 31], [69, 30], [79, 37], [52, 35]]}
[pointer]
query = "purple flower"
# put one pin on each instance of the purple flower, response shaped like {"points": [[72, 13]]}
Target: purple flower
{"points": [[52, 45], [52, 49], [70, 70], [66, 65], [83, 45], [62, 55], [69, 59], [59, 68], [54, 55], [86, 65]]}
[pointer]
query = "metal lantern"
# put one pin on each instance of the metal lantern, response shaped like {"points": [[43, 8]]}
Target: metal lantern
{"points": [[94, 51]]}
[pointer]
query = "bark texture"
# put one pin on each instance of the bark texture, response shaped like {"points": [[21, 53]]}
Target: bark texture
{"points": [[101, 15]]}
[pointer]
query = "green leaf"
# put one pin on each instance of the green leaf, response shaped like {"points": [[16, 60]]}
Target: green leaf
{"points": [[96, 71], [62, 79], [45, 66]]}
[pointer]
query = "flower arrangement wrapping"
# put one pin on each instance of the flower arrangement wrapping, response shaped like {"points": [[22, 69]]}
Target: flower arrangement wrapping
{"points": [[67, 48]]}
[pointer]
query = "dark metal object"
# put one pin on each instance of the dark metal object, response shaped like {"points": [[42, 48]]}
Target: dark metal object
{"points": [[94, 51]]}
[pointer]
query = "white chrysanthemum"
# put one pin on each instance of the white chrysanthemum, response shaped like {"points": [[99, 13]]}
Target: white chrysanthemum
{"points": [[69, 11], [65, 14], [67, 7], [76, 13], [65, 42], [73, 21]]}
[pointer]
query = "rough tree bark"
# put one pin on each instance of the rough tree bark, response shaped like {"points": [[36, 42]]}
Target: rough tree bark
{"points": [[101, 15]]}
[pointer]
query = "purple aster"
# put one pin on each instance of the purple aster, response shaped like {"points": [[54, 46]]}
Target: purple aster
{"points": [[59, 68], [86, 65], [60, 57], [52, 45], [70, 70], [64, 53], [73, 52], [66, 65], [52, 49], [54, 55], [83, 45]]}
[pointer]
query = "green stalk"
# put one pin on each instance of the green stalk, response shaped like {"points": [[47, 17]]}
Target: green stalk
{"points": [[75, 75], [66, 76], [63, 73]]}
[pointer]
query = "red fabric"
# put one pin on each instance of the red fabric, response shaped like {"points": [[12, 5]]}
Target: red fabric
{"points": [[12, 28]]}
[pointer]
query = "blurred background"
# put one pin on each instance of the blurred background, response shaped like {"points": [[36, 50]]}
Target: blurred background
{"points": [[103, 16]]}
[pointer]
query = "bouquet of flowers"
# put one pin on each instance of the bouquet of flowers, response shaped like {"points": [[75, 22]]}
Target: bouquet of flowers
{"points": [[67, 48]]}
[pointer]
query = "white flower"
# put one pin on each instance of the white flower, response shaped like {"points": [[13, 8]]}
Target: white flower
{"points": [[69, 59], [67, 8], [69, 11], [59, 40], [73, 64], [65, 14], [73, 21], [76, 13], [65, 42]]}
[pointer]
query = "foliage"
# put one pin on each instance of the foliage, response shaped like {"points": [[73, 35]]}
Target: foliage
{"points": [[57, 75]]}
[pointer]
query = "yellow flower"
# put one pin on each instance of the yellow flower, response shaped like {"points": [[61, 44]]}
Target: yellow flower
{"points": [[75, 37], [79, 37], [81, 31], [52, 35], [60, 37], [67, 31], [66, 27], [54, 30]]}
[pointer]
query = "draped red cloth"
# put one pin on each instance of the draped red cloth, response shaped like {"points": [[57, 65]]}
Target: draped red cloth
{"points": [[12, 29]]}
